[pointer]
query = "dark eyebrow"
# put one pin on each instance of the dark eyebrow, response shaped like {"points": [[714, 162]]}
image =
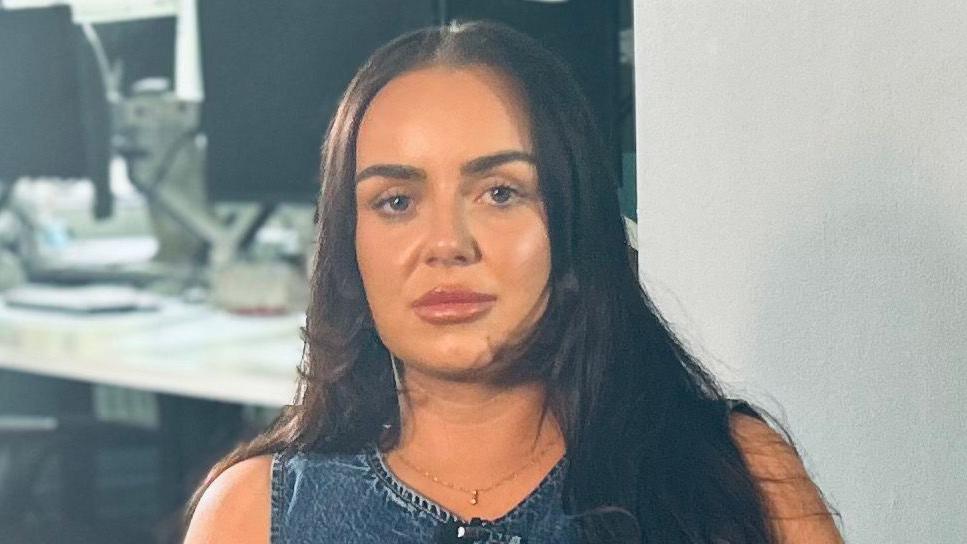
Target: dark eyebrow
{"points": [[396, 171], [473, 167], [487, 162]]}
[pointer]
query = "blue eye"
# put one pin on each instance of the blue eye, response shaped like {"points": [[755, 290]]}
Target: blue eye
{"points": [[397, 203]]}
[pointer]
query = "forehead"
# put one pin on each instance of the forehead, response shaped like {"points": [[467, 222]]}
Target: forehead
{"points": [[440, 113]]}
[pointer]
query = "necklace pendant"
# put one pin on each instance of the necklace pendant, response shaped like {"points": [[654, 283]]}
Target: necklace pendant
{"points": [[473, 499]]}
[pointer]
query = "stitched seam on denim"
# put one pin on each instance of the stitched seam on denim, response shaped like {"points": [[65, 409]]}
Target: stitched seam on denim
{"points": [[549, 481], [278, 499], [404, 492]]}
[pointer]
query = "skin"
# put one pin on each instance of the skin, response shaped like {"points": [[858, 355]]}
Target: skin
{"points": [[434, 219], [459, 229], [484, 230]]}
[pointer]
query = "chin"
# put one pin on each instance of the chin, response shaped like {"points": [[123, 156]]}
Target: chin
{"points": [[458, 374], [460, 361], [458, 365]]}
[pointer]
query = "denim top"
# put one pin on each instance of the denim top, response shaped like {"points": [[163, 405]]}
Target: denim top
{"points": [[319, 498]]}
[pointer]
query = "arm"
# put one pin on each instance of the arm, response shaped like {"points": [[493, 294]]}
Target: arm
{"points": [[236, 507], [794, 505]]}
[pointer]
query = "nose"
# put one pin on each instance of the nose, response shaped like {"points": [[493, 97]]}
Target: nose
{"points": [[450, 240]]}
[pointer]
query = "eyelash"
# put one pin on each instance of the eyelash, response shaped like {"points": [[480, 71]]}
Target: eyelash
{"points": [[380, 204]]}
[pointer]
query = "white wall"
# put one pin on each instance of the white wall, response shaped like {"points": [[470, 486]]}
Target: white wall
{"points": [[802, 205]]}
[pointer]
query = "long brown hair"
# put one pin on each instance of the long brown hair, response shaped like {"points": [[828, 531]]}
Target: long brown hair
{"points": [[646, 425]]}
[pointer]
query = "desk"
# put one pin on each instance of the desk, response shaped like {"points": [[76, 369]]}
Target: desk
{"points": [[181, 349]]}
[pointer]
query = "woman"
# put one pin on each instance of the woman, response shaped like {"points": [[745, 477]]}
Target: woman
{"points": [[483, 364]]}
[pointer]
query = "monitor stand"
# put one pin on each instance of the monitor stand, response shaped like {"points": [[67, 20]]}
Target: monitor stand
{"points": [[165, 152]]}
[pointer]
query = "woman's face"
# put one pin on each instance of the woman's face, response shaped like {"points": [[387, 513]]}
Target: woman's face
{"points": [[448, 204]]}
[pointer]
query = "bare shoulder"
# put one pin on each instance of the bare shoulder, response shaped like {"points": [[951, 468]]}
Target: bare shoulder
{"points": [[236, 507], [795, 505]]}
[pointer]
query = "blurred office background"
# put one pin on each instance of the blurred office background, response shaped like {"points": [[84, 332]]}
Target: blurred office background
{"points": [[158, 164]]}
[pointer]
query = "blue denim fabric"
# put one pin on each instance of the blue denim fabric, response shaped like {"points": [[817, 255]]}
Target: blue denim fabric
{"points": [[328, 498]]}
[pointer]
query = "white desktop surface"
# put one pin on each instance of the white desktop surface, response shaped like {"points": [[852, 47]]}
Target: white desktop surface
{"points": [[182, 349]]}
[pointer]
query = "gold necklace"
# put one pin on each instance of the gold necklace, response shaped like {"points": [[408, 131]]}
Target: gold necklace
{"points": [[475, 492]]}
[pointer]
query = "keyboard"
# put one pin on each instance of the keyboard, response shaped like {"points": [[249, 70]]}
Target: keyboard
{"points": [[84, 299]]}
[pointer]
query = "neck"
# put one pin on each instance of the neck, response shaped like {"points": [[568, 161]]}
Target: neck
{"points": [[471, 428]]}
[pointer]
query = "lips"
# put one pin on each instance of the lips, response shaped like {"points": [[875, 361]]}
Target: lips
{"points": [[447, 305]]}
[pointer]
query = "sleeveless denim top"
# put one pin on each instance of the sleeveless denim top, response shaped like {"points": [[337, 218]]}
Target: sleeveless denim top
{"points": [[322, 498]]}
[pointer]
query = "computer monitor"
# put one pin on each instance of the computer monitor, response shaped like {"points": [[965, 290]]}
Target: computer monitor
{"points": [[41, 128], [54, 116], [582, 32], [273, 73]]}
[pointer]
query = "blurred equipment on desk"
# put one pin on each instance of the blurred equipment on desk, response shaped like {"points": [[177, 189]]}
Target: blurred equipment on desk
{"points": [[54, 124], [12, 273], [62, 114], [281, 288], [83, 299], [159, 136]]}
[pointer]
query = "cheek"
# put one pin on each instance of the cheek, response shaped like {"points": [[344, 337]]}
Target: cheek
{"points": [[525, 258], [375, 256]]}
